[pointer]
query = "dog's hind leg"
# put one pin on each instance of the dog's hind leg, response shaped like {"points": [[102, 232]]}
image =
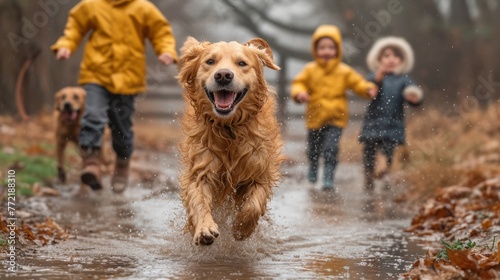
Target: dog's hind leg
{"points": [[198, 201], [251, 203]]}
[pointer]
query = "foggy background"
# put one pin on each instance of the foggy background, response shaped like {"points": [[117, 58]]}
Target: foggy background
{"points": [[455, 44]]}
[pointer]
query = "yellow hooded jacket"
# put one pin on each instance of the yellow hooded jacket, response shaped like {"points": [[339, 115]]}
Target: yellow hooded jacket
{"points": [[114, 53], [326, 84]]}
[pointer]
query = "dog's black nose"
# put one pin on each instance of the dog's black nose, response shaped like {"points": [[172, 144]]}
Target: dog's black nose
{"points": [[223, 76], [67, 107]]}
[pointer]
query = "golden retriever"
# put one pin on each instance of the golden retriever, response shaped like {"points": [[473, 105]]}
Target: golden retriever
{"points": [[231, 151], [69, 108]]}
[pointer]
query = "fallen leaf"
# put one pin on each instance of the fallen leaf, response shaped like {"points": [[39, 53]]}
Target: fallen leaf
{"points": [[498, 252], [461, 259], [486, 223]]}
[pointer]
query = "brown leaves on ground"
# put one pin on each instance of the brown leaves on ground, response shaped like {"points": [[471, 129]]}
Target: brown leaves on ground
{"points": [[38, 233], [454, 171], [455, 206], [462, 264], [27, 134], [470, 211], [423, 268]]}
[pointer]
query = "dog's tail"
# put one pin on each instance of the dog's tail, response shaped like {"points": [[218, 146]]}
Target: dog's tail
{"points": [[19, 84]]}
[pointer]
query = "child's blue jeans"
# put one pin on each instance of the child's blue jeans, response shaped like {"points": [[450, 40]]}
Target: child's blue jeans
{"points": [[324, 141], [103, 107]]}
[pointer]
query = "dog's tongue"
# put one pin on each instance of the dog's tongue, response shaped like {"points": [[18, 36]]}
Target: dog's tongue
{"points": [[71, 115], [224, 99]]}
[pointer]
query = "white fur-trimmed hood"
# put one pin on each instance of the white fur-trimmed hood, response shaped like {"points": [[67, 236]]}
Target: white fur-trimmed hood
{"points": [[398, 42]]}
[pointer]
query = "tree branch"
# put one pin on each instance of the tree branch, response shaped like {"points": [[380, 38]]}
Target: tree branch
{"points": [[247, 22], [287, 26]]}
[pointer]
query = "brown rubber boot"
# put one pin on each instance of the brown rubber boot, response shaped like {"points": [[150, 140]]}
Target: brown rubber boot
{"points": [[91, 173], [120, 178]]}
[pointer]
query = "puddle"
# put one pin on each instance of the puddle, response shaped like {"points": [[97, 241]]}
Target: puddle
{"points": [[306, 234]]}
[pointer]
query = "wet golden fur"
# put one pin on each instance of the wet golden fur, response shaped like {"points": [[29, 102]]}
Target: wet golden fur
{"points": [[231, 157]]}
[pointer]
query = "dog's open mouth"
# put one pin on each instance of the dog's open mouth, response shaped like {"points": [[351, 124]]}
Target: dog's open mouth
{"points": [[225, 100], [70, 115]]}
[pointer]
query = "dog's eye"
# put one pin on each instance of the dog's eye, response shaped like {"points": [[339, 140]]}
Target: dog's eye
{"points": [[63, 97], [210, 62], [75, 97], [242, 63]]}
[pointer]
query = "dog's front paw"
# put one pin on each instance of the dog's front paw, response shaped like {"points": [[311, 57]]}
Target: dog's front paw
{"points": [[206, 235], [61, 174]]}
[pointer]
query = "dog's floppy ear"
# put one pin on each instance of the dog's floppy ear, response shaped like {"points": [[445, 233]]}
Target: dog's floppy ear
{"points": [[265, 54], [190, 51], [189, 43], [57, 102]]}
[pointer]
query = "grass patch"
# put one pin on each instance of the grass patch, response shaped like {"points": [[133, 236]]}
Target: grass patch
{"points": [[456, 246], [29, 169]]}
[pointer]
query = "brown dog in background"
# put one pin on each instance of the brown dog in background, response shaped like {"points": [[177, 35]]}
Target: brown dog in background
{"points": [[69, 108], [232, 146]]}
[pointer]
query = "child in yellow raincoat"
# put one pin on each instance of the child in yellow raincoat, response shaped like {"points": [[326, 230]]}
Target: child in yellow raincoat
{"points": [[322, 84], [113, 72]]}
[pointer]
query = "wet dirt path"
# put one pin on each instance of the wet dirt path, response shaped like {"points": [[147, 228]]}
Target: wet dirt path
{"points": [[307, 233]]}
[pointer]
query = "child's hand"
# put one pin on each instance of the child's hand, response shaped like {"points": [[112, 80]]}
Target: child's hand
{"points": [[413, 94], [412, 97], [63, 53], [166, 58], [302, 97], [372, 92]]}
